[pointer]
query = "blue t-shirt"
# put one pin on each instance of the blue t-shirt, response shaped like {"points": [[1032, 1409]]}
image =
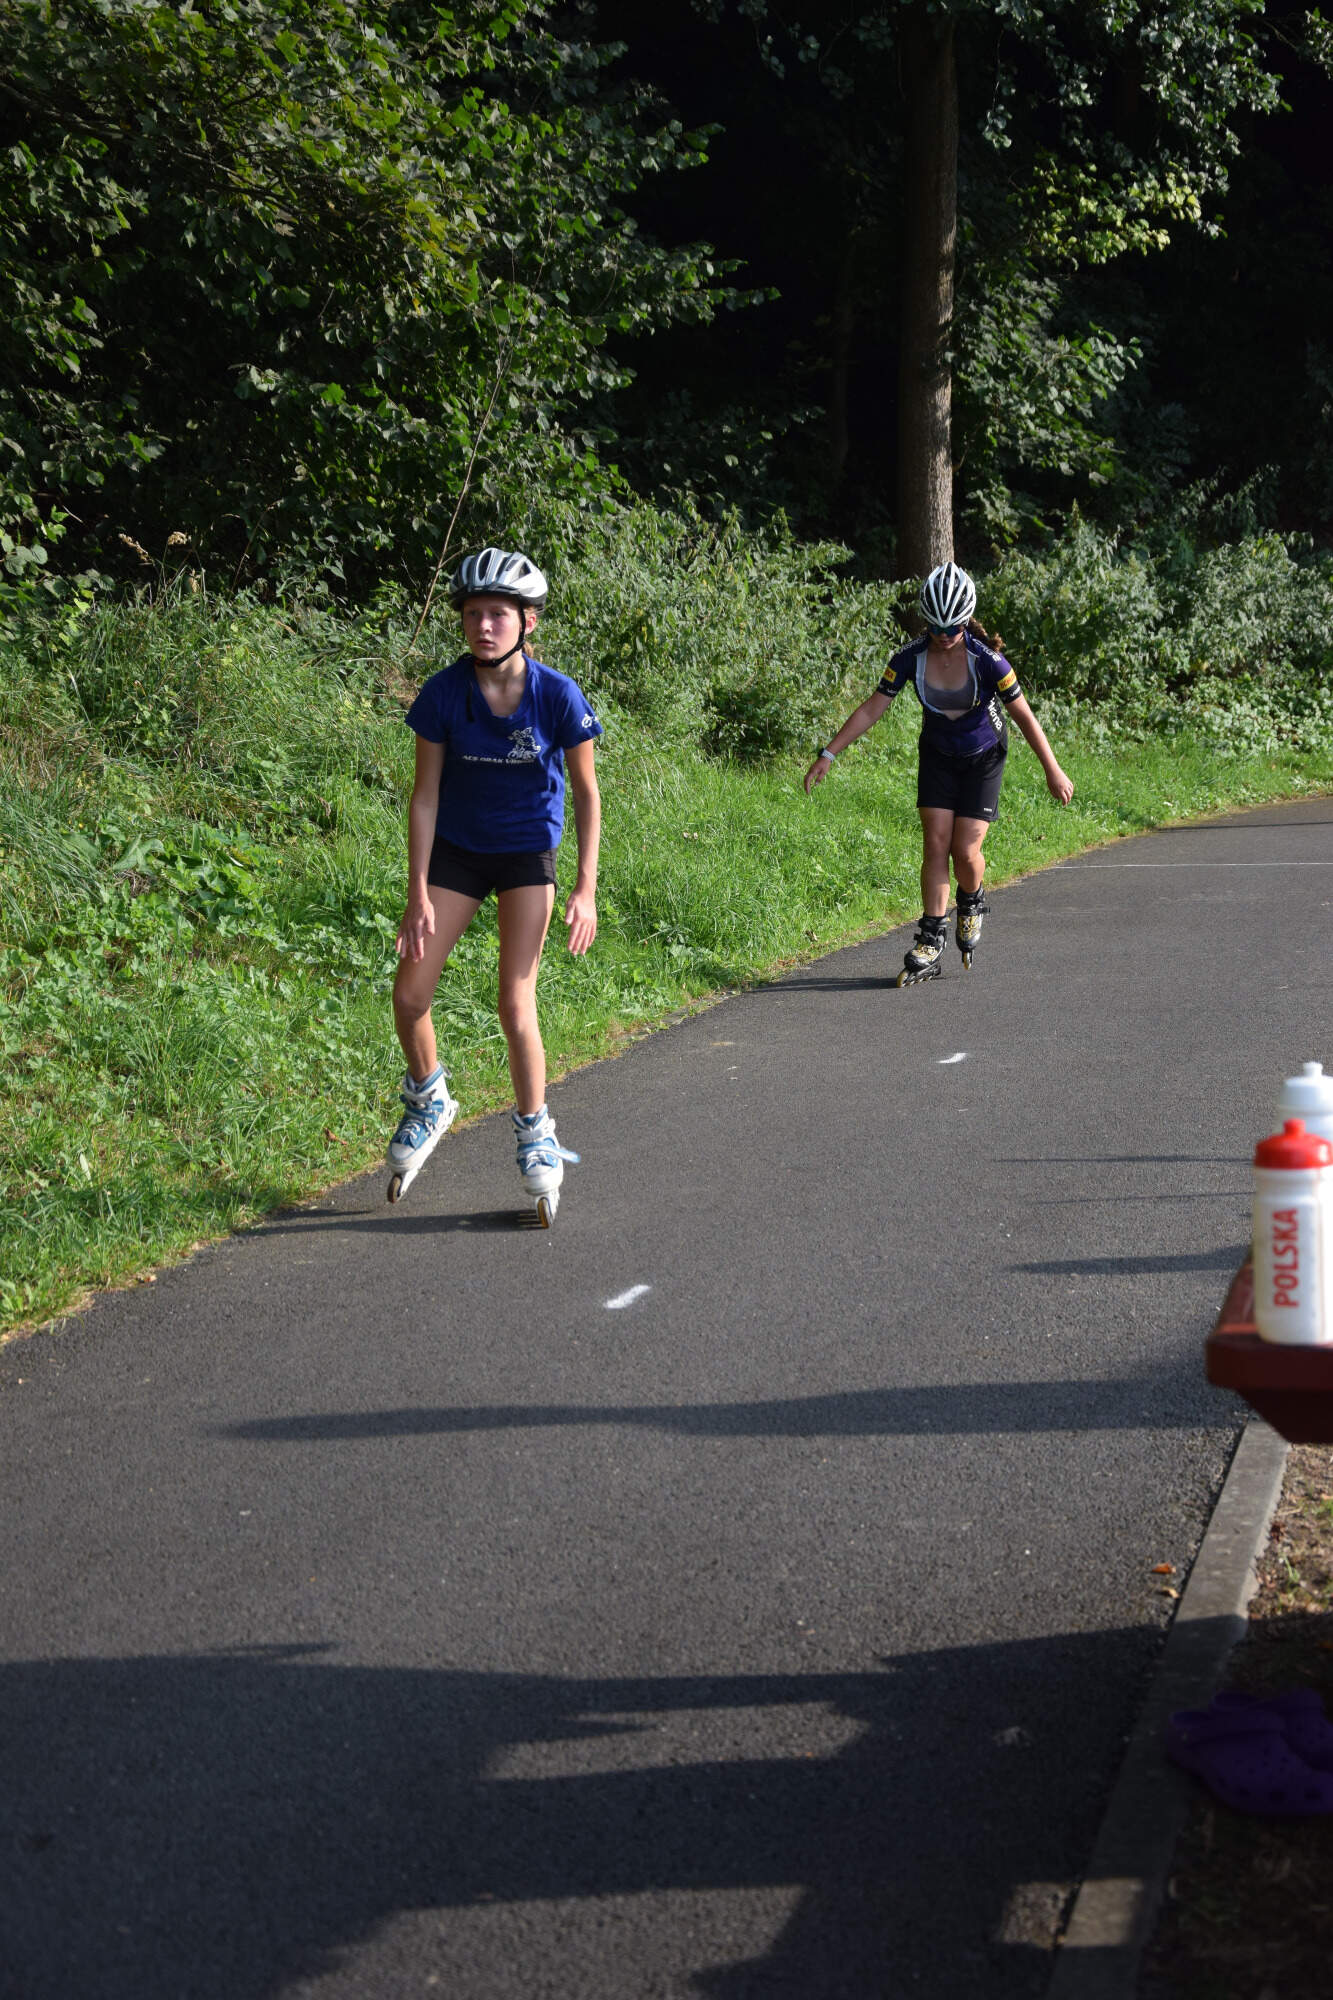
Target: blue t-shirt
{"points": [[981, 727], [503, 786]]}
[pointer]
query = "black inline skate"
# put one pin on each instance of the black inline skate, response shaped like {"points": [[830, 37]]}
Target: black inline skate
{"points": [[923, 960], [972, 907]]}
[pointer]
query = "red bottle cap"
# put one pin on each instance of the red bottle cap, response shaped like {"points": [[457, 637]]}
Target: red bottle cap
{"points": [[1294, 1147]]}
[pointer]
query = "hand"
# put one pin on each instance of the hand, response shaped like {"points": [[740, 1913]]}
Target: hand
{"points": [[818, 771], [1059, 786], [418, 924], [581, 916]]}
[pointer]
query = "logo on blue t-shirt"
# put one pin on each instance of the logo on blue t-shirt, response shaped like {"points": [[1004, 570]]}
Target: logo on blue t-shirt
{"points": [[502, 789]]}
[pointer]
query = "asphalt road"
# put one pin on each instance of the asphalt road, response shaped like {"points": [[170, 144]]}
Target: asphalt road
{"points": [[392, 1604]]}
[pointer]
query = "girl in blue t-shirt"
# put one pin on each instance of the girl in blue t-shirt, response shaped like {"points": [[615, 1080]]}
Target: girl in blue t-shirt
{"points": [[966, 690], [496, 733]]}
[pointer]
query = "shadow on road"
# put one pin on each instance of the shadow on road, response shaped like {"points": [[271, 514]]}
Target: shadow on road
{"points": [[1161, 1263], [962, 1409], [405, 1221], [216, 1827], [1122, 1160], [783, 989]]}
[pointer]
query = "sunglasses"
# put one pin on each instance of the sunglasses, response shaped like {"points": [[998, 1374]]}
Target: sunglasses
{"points": [[944, 631]]}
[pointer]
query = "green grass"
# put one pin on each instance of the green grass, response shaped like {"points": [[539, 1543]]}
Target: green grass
{"points": [[201, 872]]}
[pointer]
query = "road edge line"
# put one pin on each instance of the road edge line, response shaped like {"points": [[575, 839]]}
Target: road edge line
{"points": [[1116, 1907]]}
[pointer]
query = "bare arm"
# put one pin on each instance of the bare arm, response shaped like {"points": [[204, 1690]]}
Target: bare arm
{"points": [[419, 917], [581, 908], [1059, 786], [862, 718]]}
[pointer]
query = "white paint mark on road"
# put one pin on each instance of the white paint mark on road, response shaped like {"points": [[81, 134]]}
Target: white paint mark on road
{"points": [[946, 1060], [623, 1299]]}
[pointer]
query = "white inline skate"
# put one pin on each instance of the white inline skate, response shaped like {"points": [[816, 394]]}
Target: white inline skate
{"points": [[428, 1114], [541, 1162]]}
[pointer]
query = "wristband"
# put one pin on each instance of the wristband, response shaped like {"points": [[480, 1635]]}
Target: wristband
{"points": [[830, 754]]}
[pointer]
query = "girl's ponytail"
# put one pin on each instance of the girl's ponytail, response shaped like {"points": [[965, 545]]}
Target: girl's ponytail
{"points": [[991, 639]]}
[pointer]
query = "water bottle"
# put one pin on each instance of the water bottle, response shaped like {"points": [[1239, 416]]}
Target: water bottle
{"points": [[1309, 1097], [1293, 1237]]}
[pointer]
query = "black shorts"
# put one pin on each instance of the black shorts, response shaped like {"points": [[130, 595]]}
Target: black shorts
{"points": [[967, 786], [469, 874]]}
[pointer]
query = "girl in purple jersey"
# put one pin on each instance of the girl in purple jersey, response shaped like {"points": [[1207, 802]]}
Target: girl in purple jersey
{"points": [[966, 691], [496, 733]]}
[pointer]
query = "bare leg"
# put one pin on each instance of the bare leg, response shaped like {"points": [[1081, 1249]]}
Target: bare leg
{"points": [[414, 986], [525, 915], [937, 826], [969, 863]]}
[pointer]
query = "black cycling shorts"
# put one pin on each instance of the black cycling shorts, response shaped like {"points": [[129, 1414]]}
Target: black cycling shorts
{"points": [[469, 874], [967, 786]]}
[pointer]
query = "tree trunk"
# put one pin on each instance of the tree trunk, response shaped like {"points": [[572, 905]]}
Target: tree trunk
{"points": [[925, 462]]}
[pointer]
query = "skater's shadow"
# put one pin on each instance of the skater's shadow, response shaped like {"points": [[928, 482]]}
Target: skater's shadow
{"points": [[783, 989], [949, 1409], [232, 1825], [1160, 1265], [1122, 1160], [476, 1222]]}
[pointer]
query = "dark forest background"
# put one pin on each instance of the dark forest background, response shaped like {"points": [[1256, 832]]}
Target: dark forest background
{"points": [[1205, 358], [310, 289]]}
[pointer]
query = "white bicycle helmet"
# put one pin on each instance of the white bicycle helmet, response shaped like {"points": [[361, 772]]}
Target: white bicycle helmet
{"points": [[948, 596], [498, 573]]}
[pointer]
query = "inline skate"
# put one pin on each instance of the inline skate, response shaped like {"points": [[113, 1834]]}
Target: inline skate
{"points": [[428, 1113], [541, 1162], [923, 960], [972, 907]]}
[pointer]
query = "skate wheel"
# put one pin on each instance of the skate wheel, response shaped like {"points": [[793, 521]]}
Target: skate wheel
{"points": [[967, 961], [395, 1187], [904, 978], [545, 1210]]}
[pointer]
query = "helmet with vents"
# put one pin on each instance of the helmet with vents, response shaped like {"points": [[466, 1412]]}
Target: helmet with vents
{"points": [[948, 596], [498, 573]]}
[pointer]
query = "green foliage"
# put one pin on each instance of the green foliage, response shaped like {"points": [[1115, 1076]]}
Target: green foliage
{"points": [[277, 275], [1147, 105], [1233, 642], [737, 641], [1082, 619], [1089, 138], [1186, 72], [1027, 396]]}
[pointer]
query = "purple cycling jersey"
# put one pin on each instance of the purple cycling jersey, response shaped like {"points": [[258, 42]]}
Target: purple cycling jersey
{"points": [[980, 727]]}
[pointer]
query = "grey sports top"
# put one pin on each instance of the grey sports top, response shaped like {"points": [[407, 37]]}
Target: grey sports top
{"points": [[950, 701]]}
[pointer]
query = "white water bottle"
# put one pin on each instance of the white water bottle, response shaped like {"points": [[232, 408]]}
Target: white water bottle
{"points": [[1293, 1237], [1309, 1097]]}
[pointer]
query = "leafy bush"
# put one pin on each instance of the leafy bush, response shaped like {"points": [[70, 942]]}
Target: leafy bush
{"points": [[1235, 638], [1083, 619], [741, 641]]}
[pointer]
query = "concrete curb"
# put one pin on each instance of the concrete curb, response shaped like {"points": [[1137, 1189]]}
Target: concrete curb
{"points": [[1116, 1908]]}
